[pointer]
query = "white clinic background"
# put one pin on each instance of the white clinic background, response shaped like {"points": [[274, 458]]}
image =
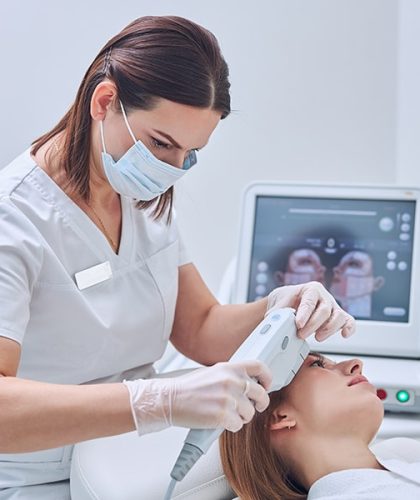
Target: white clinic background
{"points": [[322, 90]]}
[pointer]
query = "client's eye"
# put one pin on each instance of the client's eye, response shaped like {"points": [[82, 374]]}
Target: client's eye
{"points": [[319, 362]]}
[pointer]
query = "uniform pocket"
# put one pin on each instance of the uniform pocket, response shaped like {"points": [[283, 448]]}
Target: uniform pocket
{"points": [[53, 455], [163, 267], [37, 467]]}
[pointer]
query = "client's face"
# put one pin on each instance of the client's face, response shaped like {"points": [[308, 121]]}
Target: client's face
{"points": [[324, 419], [329, 399]]}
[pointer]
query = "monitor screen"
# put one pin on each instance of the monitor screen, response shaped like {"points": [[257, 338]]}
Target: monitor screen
{"points": [[360, 250]]}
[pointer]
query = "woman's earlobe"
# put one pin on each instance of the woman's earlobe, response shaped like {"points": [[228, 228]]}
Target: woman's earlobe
{"points": [[285, 424], [278, 421]]}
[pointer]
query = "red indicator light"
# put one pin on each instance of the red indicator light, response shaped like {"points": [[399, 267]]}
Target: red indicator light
{"points": [[381, 393]]}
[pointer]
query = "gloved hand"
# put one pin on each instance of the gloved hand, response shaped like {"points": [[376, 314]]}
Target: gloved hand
{"points": [[316, 310], [219, 396]]}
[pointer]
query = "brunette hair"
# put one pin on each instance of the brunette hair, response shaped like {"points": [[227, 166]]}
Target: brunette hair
{"points": [[153, 57], [250, 464]]}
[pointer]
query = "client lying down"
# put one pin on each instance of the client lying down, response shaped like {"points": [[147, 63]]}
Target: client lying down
{"points": [[312, 442]]}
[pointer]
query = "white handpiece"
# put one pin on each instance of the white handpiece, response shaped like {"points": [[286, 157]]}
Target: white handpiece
{"points": [[274, 342]]}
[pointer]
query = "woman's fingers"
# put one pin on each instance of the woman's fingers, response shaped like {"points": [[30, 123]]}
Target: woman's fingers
{"points": [[307, 305], [251, 395], [337, 321], [319, 317], [246, 409], [314, 309], [254, 399], [259, 371], [349, 328], [319, 313], [233, 422], [258, 395]]}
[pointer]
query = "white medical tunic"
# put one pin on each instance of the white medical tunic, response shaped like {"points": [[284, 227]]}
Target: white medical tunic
{"points": [[401, 480], [109, 331]]}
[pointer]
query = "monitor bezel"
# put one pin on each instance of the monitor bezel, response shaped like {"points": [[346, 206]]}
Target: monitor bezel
{"points": [[377, 338]]}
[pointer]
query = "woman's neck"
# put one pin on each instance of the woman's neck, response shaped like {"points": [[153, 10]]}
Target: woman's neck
{"points": [[322, 456], [102, 194]]}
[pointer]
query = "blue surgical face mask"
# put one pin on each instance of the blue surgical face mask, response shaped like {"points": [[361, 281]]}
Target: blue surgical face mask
{"points": [[138, 173]]}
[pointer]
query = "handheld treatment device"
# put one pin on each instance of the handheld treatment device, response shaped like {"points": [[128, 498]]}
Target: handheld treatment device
{"points": [[274, 342]]}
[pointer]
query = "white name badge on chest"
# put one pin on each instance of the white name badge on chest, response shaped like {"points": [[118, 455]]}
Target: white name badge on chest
{"points": [[93, 275]]}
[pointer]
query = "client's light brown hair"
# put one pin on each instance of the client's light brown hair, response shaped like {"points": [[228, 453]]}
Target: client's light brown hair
{"points": [[250, 464]]}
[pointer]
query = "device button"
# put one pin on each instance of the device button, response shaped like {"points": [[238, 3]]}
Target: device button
{"points": [[381, 393], [275, 317], [285, 343], [403, 396], [265, 328], [394, 311]]}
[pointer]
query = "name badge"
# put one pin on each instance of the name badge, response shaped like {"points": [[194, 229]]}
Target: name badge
{"points": [[93, 275]]}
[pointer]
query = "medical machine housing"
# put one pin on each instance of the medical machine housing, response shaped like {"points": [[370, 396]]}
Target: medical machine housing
{"points": [[362, 243]]}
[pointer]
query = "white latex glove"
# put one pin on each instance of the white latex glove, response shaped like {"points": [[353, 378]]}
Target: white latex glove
{"points": [[224, 395], [316, 310]]}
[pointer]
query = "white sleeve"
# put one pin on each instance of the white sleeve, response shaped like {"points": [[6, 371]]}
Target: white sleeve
{"points": [[184, 257], [20, 264]]}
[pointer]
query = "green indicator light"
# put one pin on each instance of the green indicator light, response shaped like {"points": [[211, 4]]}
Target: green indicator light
{"points": [[403, 396]]}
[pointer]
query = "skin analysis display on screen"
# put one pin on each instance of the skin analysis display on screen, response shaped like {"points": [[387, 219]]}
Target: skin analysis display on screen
{"points": [[361, 242], [360, 250]]}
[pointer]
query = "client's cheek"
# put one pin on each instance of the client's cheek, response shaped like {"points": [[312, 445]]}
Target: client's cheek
{"points": [[307, 397], [322, 401]]}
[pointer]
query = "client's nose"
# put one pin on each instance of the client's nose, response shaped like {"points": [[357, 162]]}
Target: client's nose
{"points": [[352, 366]]}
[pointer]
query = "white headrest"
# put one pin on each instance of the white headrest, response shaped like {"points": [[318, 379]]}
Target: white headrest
{"points": [[400, 448], [129, 467]]}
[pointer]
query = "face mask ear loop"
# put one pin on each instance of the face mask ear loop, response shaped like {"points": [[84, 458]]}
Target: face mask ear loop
{"points": [[101, 127], [126, 122]]}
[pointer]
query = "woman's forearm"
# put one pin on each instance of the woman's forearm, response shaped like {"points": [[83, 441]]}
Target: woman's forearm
{"points": [[37, 415], [225, 329]]}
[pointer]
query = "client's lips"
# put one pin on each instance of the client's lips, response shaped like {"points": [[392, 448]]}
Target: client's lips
{"points": [[357, 380]]}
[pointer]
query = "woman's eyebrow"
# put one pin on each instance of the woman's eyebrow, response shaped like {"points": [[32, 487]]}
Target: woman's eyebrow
{"points": [[168, 137], [171, 139]]}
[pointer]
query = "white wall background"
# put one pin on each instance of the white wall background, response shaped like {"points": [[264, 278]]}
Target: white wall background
{"points": [[315, 89], [408, 118]]}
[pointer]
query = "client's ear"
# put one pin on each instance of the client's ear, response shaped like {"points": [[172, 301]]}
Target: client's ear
{"points": [[279, 420]]}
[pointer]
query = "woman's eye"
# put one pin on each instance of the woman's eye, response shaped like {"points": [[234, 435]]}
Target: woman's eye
{"points": [[159, 144], [318, 362]]}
